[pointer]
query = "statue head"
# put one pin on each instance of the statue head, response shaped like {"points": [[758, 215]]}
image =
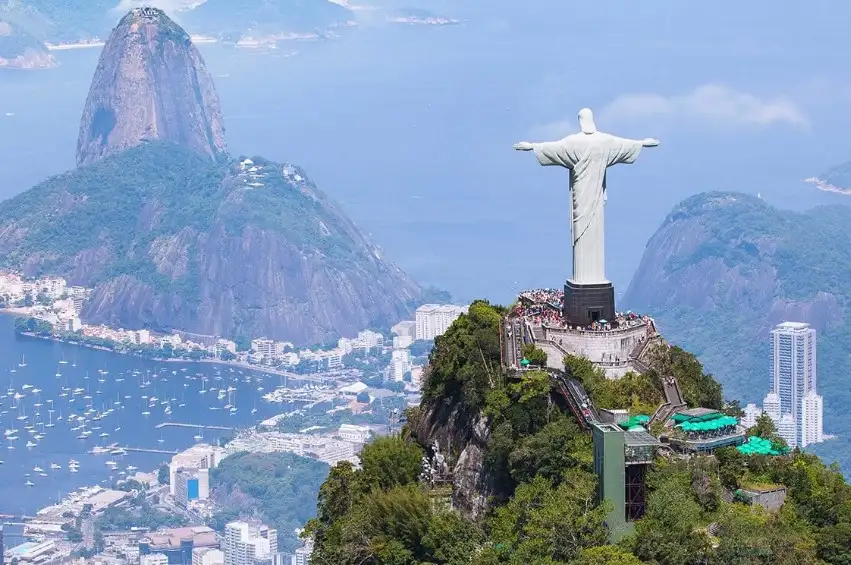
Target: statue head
{"points": [[586, 121]]}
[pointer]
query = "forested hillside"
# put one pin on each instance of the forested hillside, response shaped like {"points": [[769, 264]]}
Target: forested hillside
{"points": [[537, 471]]}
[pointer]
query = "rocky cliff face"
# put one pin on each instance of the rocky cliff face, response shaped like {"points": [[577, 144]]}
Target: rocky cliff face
{"points": [[724, 268], [448, 430], [171, 238], [19, 50], [150, 84]]}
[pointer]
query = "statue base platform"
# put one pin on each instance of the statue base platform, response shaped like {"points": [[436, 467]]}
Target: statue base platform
{"points": [[585, 304]]}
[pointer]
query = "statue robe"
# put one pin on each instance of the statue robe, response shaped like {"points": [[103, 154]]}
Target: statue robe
{"points": [[587, 156]]}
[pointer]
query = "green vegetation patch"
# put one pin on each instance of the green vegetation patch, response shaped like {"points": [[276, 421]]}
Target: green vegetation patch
{"points": [[279, 488], [538, 472]]}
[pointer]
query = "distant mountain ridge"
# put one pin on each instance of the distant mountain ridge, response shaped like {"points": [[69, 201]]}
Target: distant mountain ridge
{"points": [[60, 21], [234, 20], [836, 179], [724, 268], [69, 21], [174, 233], [20, 50]]}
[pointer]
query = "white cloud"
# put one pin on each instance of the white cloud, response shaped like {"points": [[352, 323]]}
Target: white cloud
{"points": [[709, 104]]}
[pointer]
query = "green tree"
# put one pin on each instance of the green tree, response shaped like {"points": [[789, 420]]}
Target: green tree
{"points": [[834, 544], [605, 555], [766, 429], [389, 462], [541, 521], [557, 447], [751, 536], [163, 475], [669, 534], [535, 355], [466, 358], [451, 540]]}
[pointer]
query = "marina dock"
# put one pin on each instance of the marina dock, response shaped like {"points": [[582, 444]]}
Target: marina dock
{"points": [[114, 446], [194, 426]]}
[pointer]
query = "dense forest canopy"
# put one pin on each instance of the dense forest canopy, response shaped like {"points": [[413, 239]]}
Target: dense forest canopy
{"points": [[539, 466], [276, 488]]}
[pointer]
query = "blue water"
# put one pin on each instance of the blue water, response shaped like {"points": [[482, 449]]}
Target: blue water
{"points": [[60, 444]]}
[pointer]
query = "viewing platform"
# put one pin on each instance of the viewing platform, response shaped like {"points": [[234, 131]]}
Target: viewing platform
{"points": [[703, 430], [615, 346]]}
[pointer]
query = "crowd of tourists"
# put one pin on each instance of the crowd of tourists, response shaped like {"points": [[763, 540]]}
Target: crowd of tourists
{"points": [[543, 307], [551, 296]]}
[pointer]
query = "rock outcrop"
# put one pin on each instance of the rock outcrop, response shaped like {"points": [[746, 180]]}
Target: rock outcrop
{"points": [[461, 440], [174, 233], [150, 84], [19, 50]]}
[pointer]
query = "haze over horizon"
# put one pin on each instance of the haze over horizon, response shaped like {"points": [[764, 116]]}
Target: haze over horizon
{"points": [[459, 97]]}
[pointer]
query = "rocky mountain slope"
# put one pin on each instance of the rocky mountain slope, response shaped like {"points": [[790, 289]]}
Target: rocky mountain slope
{"points": [[150, 83], [836, 179], [68, 21], [724, 268], [171, 238], [60, 21], [20, 50], [259, 19]]}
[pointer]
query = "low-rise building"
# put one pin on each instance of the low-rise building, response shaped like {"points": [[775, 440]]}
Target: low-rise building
{"points": [[199, 456], [178, 544], [357, 434], [207, 556], [191, 484], [31, 551], [406, 328], [142, 337], [402, 341], [153, 559]]}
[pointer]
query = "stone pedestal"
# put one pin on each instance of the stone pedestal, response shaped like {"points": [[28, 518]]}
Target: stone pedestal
{"points": [[585, 304]]}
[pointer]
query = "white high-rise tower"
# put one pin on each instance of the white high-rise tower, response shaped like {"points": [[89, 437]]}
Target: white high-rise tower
{"points": [[793, 396]]}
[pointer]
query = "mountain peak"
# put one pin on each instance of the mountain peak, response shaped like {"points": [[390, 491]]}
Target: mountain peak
{"points": [[143, 20], [150, 83]]}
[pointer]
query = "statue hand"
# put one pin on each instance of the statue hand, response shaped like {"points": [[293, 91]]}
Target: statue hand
{"points": [[649, 142], [523, 146]]}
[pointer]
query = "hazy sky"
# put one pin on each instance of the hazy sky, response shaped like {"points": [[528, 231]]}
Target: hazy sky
{"points": [[411, 129]]}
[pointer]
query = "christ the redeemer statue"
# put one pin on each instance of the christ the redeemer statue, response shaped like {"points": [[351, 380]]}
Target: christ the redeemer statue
{"points": [[587, 155]]}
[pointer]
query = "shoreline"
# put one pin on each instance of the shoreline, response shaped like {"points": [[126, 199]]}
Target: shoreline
{"points": [[69, 46], [258, 368]]}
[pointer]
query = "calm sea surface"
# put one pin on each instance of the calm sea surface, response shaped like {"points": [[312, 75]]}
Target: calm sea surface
{"points": [[104, 380]]}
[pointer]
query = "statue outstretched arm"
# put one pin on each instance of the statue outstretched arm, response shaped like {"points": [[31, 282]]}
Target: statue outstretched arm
{"points": [[549, 152], [649, 142]]}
